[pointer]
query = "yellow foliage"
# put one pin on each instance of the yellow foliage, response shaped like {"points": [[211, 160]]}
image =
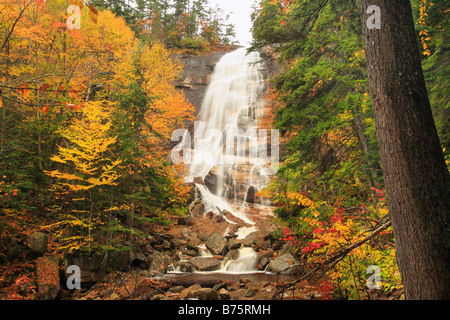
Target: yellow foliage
{"points": [[89, 143]]}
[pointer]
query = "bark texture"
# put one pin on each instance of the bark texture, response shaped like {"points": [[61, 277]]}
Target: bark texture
{"points": [[416, 178]]}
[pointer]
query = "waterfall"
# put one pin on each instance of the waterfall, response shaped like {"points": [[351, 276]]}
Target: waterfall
{"points": [[228, 152], [246, 262]]}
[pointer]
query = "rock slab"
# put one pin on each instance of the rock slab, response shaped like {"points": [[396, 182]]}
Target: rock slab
{"points": [[47, 272]]}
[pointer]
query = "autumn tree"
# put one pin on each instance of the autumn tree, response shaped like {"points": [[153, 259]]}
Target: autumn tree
{"points": [[417, 180], [149, 108], [51, 80], [87, 170]]}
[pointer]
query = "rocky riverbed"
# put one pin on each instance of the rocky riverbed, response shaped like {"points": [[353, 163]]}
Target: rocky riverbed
{"points": [[203, 256]]}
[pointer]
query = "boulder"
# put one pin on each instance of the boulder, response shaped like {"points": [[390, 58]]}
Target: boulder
{"points": [[207, 294], [251, 194], [37, 242], [205, 264], [11, 248], [263, 259], [256, 240], [187, 220], [184, 266], [190, 292], [92, 267], [285, 264], [215, 243], [211, 180], [224, 294], [233, 254], [198, 209], [160, 263], [249, 293], [121, 260], [199, 180], [189, 252], [176, 289], [197, 292], [47, 272]]}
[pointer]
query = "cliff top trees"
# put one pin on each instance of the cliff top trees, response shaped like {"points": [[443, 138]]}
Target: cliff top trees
{"points": [[185, 24]]}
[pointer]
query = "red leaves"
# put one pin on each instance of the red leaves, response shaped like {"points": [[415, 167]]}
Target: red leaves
{"points": [[326, 288], [39, 3], [313, 246], [290, 237]]}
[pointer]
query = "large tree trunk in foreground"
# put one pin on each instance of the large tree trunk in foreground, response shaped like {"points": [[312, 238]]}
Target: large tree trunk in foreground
{"points": [[417, 180]]}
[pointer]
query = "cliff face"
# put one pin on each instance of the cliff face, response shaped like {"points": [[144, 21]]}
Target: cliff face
{"points": [[272, 67], [197, 72]]}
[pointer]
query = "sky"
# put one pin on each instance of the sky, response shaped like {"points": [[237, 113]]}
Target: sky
{"points": [[241, 10]]}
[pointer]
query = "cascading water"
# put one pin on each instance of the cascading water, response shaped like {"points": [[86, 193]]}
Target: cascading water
{"points": [[229, 152]]}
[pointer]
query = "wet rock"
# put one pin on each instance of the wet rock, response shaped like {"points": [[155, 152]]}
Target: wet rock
{"points": [[185, 266], [233, 254], [263, 259], [176, 289], [207, 294], [251, 194], [195, 75], [199, 180], [205, 264], [224, 294], [215, 243], [285, 264], [189, 252], [234, 244], [249, 293], [219, 286], [211, 180]]}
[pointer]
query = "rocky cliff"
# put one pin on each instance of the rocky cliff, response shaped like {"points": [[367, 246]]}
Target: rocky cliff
{"points": [[197, 71], [196, 74]]}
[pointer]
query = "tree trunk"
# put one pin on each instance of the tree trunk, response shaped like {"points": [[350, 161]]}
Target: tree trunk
{"points": [[416, 178]]}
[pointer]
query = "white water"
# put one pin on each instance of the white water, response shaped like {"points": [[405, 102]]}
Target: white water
{"points": [[234, 101], [230, 112], [246, 262]]}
